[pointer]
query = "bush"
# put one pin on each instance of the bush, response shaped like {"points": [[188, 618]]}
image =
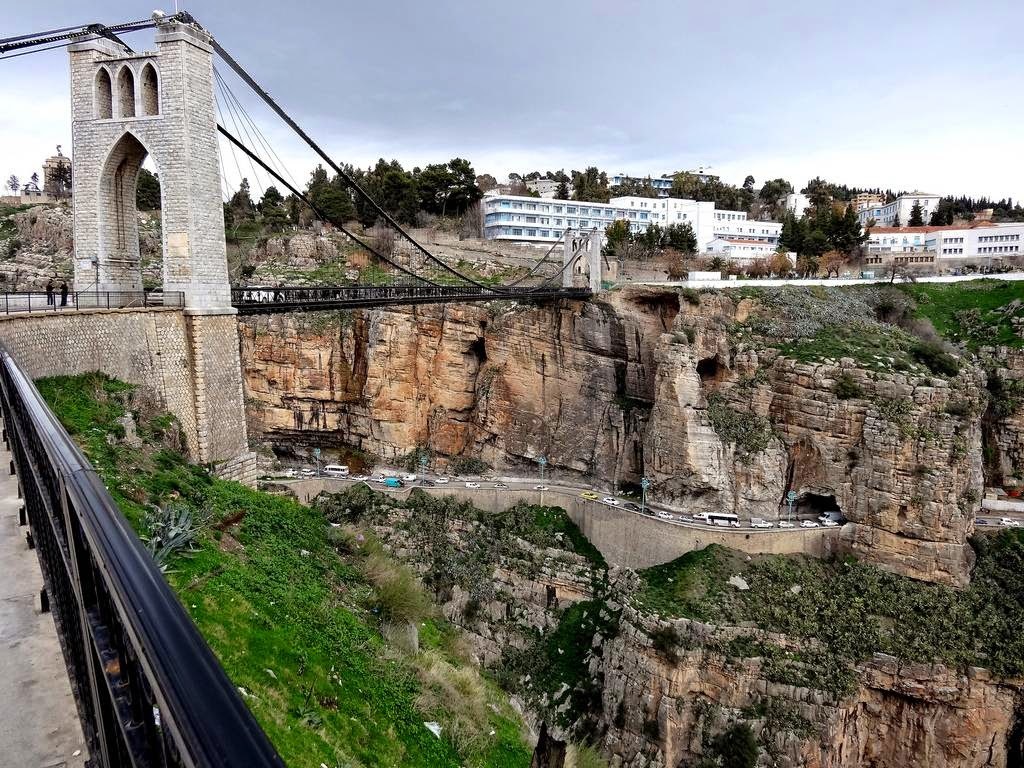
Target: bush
{"points": [[751, 433], [935, 358], [468, 465], [847, 388], [399, 598], [169, 530], [736, 747], [690, 296], [666, 642]]}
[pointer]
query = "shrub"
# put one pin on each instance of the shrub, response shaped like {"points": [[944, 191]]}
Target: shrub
{"points": [[399, 599], [847, 388], [736, 747], [666, 642], [169, 530], [468, 465], [935, 358], [588, 757], [750, 433], [690, 296]]}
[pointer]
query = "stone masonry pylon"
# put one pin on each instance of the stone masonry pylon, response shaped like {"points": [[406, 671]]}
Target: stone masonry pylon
{"points": [[160, 104]]}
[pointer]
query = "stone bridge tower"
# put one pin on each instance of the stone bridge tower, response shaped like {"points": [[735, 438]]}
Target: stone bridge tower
{"points": [[125, 107]]}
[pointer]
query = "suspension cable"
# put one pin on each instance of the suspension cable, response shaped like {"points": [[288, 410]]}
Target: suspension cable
{"points": [[318, 211]]}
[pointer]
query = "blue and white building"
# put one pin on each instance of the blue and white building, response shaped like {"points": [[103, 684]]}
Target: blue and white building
{"points": [[885, 214], [532, 220]]}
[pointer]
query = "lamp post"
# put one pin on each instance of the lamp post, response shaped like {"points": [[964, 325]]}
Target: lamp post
{"points": [[543, 461], [645, 483], [424, 460]]}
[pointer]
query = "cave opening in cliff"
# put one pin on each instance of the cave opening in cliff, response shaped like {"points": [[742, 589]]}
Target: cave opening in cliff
{"points": [[817, 504], [711, 371], [479, 350]]}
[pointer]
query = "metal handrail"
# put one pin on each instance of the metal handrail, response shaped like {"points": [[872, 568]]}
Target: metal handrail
{"points": [[41, 301], [148, 688]]}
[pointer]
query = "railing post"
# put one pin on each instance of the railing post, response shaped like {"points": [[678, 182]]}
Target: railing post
{"points": [[108, 299], [22, 517], [30, 301], [44, 601]]}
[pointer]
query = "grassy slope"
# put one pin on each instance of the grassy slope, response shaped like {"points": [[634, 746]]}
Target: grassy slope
{"points": [[286, 616], [945, 304], [855, 609]]}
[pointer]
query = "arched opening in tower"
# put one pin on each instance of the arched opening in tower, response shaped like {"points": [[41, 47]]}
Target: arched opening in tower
{"points": [[125, 92], [150, 91], [103, 99]]}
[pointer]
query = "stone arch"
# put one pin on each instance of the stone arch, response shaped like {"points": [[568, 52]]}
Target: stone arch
{"points": [[118, 264], [103, 95], [149, 90], [125, 92]]}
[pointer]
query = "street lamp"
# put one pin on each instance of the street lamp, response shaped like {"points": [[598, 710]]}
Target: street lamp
{"points": [[543, 461], [645, 483], [424, 460]]}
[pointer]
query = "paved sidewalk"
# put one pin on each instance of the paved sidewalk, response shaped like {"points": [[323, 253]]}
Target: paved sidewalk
{"points": [[39, 726]]}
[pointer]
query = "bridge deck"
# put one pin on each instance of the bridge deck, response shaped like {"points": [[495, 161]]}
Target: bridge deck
{"points": [[39, 726]]}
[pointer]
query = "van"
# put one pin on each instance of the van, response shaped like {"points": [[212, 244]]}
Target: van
{"points": [[336, 470], [392, 482]]}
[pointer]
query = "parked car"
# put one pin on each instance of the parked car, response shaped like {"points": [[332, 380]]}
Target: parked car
{"points": [[808, 524], [590, 495], [409, 478], [785, 524], [471, 484], [540, 487], [610, 500], [501, 485], [441, 481]]}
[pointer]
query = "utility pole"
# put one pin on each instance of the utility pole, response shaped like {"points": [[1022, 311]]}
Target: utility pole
{"points": [[645, 483]]}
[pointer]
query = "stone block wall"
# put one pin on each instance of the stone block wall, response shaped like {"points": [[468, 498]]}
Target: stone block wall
{"points": [[192, 366]]}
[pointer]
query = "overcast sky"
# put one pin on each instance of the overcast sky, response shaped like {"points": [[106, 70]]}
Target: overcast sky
{"points": [[917, 94]]}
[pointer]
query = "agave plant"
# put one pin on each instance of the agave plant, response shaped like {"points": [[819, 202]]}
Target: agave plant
{"points": [[170, 529]]}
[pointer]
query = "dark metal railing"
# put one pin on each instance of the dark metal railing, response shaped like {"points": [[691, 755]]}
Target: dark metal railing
{"points": [[148, 689], [41, 301], [262, 299]]}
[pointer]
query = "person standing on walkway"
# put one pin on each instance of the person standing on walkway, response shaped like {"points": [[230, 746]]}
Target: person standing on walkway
{"points": [[64, 293], [49, 292]]}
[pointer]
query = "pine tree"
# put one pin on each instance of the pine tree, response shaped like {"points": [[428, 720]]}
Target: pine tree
{"points": [[916, 216], [896, 220]]}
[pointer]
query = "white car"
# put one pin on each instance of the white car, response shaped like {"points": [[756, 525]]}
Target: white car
{"points": [[610, 500], [808, 524], [540, 487], [665, 515], [703, 516], [500, 485], [359, 478], [830, 523], [1009, 522], [472, 485], [308, 473], [378, 479], [409, 478], [760, 524], [290, 473], [785, 524]]}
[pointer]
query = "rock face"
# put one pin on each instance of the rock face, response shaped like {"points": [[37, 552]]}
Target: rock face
{"points": [[911, 715], [642, 382], [1005, 418]]}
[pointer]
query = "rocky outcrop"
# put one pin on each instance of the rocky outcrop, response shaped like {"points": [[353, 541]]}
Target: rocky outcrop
{"points": [[1004, 419], [913, 715], [642, 382]]}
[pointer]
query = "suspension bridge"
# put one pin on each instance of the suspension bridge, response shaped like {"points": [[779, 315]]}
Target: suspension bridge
{"points": [[147, 689]]}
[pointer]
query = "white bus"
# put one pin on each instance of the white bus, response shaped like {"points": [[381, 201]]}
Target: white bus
{"points": [[723, 519], [336, 470]]}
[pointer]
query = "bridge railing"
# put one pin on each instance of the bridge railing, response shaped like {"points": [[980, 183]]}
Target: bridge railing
{"points": [[39, 301], [321, 294], [148, 689]]}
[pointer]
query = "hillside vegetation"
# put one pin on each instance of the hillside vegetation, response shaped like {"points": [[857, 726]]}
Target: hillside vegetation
{"points": [[297, 626]]}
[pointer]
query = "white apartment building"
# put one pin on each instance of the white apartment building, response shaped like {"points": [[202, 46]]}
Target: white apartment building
{"points": [[797, 203], [984, 239], [742, 250], [885, 215], [527, 219]]}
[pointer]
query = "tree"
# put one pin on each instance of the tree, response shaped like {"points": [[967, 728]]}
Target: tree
{"points": [[61, 180], [736, 746], [486, 182], [562, 193], [590, 186], [13, 183], [271, 207], [793, 233], [241, 202], [819, 192], [896, 219], [833, 261], [35, 180], [682, 238], [616, 235], [748, 183], [916, 216], [147, 191], [780, 264], [448, 187]]}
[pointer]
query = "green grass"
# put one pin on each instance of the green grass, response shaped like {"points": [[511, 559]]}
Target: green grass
{"points": [[555, 521], [974, 313], [854, 609], [289, 619]]}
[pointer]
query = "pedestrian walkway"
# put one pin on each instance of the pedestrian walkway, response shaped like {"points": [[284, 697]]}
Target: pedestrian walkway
{"points": [[39, 726]]}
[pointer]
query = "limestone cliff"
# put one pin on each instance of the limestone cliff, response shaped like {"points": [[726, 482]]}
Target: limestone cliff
{"points": [[700, 392]]}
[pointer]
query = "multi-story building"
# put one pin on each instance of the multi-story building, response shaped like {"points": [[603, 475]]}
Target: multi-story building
{"points": [[662, 184], [884, 215], [745, 250], [983, 240], [867, 200], [527, 219], [797, 203]]}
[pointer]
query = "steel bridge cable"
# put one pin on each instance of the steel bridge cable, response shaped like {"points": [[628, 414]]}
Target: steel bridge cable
{"points": [[316, 209], [268, 99], [279, 165], [76, 34], [231, 115]]}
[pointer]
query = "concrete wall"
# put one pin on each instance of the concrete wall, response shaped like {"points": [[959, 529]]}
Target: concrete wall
{"points": [[624, 538], [153, 348]]}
